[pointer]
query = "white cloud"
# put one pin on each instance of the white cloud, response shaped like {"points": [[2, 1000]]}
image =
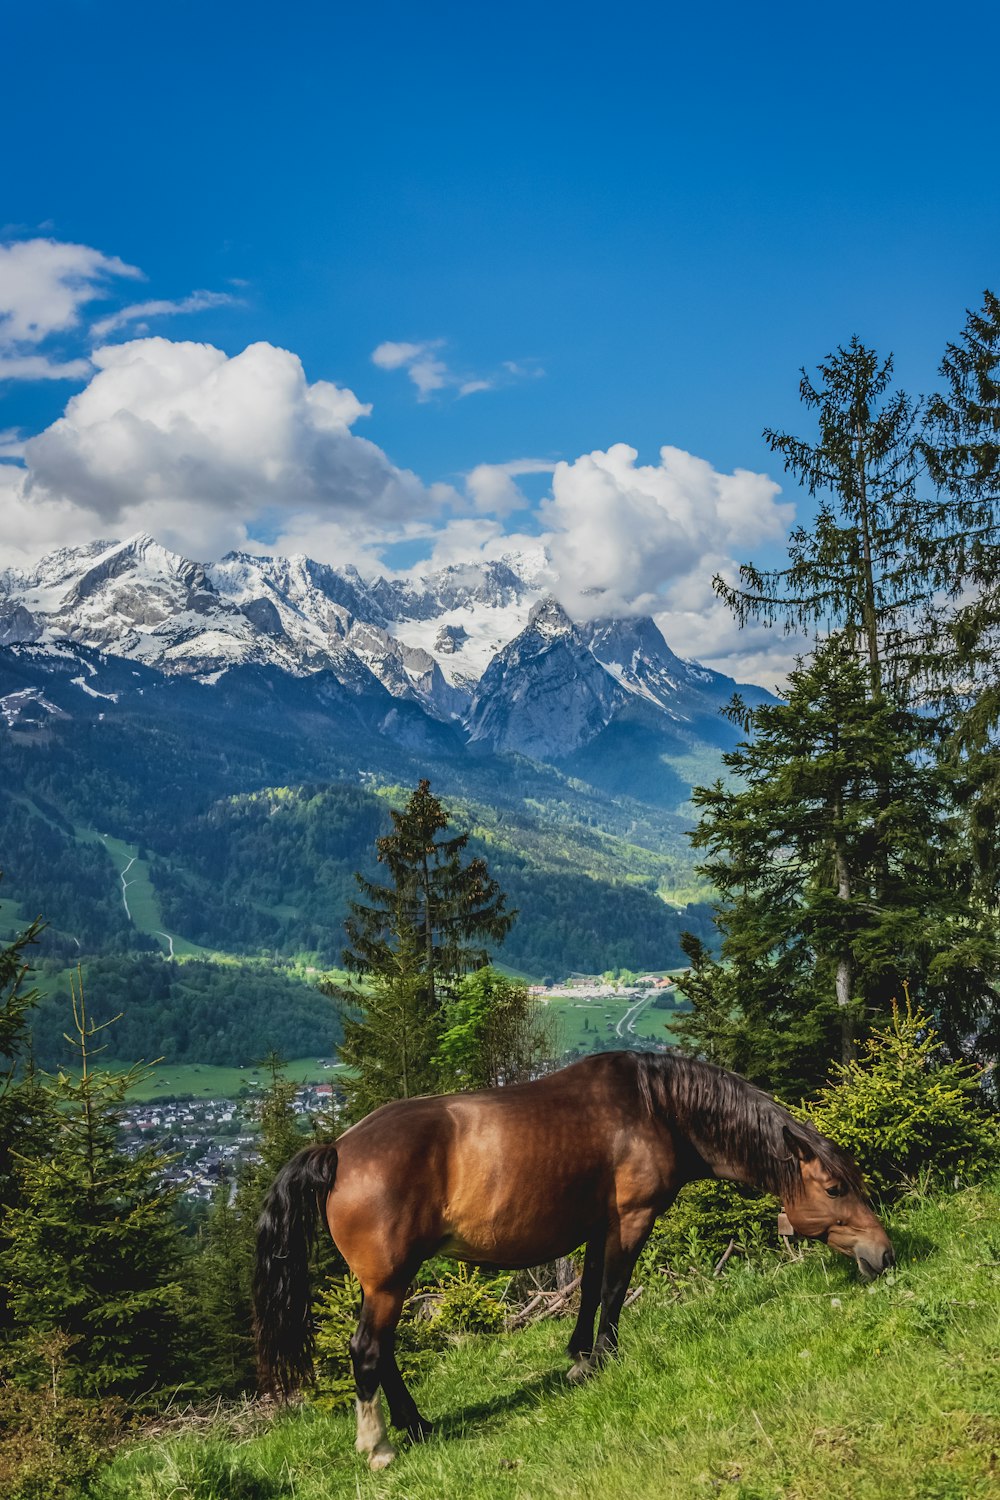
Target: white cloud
{"points": [[491, 487], [427, 372], [44, 284], [42, 367], [625, 535], [430, 373], [159, 308], [203, 450]]}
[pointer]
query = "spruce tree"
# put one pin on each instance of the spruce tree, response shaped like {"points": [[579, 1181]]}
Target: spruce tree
{"points": [[962, 452], [875, 572], [879, 550], [842, 869], [92, 1251], [22, 1119], [411, 940]]}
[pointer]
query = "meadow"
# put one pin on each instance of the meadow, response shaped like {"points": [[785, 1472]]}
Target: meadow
{"points": [[783, 1379]]}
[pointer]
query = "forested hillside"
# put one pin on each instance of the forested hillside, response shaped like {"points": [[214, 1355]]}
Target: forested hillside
{"points": [[274, 869], [245, 828], [210, 1013]]}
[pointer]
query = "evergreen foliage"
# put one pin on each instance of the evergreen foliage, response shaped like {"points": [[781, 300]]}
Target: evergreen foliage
{"points": [[962, 452], [842, 859], [21, 1128], [963, 456], [192, 1010], [842, 869], [411, 941], [435, 909], [226, 1261], [908, 1112], [870, 562], [92, 1251]]}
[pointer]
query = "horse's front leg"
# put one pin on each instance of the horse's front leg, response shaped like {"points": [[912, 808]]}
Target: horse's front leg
{"points": [[582, 1340], [621, 1251], [376, 1328]]}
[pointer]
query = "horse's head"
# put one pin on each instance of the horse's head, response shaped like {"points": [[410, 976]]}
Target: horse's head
{"points": [[830, 1206]]}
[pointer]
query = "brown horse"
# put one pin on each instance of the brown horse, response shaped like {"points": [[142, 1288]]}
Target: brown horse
{"points": [[515, 1176]]}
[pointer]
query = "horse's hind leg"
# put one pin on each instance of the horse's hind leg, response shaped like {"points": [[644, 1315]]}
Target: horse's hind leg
{"points": [[582, 1339], [379, 1315], [402, 1407]]}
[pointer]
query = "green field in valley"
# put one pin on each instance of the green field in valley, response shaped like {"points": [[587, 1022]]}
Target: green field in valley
{"points": [[579, 1021], [203, 1082]]}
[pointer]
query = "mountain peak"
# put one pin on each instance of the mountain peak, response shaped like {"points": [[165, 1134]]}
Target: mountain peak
{"points": [[548, 618]]}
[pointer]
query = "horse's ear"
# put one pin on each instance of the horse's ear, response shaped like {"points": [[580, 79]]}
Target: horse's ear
{"points": [[797, 1144]]}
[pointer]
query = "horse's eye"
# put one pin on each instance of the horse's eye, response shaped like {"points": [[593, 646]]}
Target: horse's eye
{"points": [[834, 1192]]}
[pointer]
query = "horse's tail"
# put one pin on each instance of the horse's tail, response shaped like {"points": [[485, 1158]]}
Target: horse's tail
{"points": [[285, 1234]]}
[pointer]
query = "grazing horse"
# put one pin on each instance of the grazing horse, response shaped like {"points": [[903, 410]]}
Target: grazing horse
{"points": [[514, 1176]]}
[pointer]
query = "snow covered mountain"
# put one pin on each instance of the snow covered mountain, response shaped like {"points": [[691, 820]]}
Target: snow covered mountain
{"points": [[483, 647]]}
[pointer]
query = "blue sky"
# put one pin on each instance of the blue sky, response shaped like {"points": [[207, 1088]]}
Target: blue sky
{"points": [[631, 224]]}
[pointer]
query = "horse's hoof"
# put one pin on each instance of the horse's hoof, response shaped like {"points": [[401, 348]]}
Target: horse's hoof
{"points": [[581, 1371], [420, 1429], [381, 1457]]}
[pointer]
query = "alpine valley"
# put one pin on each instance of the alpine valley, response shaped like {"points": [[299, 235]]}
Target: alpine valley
{"points": [[196, 757]]}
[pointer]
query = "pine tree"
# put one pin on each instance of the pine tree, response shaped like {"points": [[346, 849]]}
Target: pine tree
{"points": [[962, 452], [842, 869], [92, 1251], [879, 550], [21, 1117], [410, 941]]}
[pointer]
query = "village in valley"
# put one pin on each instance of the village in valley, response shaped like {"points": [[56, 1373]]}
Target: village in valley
{"points": [[209, 1141]]}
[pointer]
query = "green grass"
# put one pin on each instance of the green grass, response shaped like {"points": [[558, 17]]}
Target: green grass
{"points": [[786, 1381], [12, 919]]}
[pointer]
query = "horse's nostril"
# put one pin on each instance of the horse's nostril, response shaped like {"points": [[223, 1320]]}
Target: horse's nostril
{"points": [[888, 1259]]}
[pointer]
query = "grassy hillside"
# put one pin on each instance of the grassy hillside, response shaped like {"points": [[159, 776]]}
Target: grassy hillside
{"points": [[789, 1380]]}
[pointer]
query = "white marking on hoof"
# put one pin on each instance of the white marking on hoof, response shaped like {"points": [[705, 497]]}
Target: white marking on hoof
{"points": [[581, 1371], [372, 1438], [382, 1456]]}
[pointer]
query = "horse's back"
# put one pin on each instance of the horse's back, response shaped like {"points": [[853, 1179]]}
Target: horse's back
{"points": [[504, 1176]]}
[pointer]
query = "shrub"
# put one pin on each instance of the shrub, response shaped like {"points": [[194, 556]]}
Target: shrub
{"points": [[51, 1443], [705, 1217], [337, 1310], [469, 1302], [458, 1302], [907, 1112]]}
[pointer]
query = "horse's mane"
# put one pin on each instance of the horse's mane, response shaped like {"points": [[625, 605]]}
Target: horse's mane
{"points": [[724, 1113]]}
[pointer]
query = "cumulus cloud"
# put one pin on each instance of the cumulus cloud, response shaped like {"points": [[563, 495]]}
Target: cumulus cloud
{"points": [[181, 438], [45, 288], [159, 307], [625, 535]]}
